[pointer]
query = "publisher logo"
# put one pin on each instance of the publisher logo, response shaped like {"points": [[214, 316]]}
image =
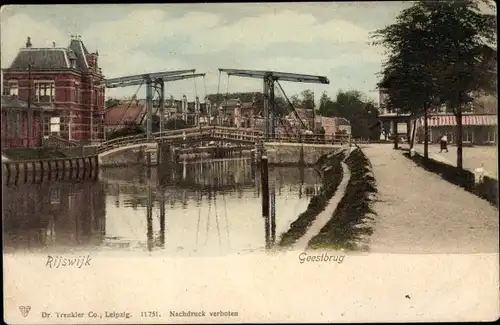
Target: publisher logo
{"points": [[25, 310]]}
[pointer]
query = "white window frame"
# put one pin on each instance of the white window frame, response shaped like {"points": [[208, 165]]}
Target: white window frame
{"points": [[468, 135], [55, 125], [45, 89], [491, 136], [12, 88]]}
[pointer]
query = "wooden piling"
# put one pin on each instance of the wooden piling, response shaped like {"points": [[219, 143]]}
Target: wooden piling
{"points": [[7, 165], [273, 216], [25, 172], [264, 174], [42, 168], [70, 168]]}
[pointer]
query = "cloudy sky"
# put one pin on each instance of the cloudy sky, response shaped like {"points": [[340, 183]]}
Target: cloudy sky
{"points": [[330, 39]]}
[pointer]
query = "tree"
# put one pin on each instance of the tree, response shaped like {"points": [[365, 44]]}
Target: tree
{"points": [[175, 124], [307, 99], [467, 62], [360, 112], [407, 76], [112, 102], [438, 55], [295, 100]]}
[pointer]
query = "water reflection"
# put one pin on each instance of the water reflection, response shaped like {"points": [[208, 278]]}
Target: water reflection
{"points": [[211, 207], [53, 214]]}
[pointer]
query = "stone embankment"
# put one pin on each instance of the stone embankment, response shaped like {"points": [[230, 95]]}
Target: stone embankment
{"points": [[330, 168]]}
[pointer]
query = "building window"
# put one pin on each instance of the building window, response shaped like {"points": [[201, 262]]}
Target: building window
{"points": [[55, 125], [78, 94], [468, 135], [11, 88], [492, 136], [45, 92], [96, 97]]}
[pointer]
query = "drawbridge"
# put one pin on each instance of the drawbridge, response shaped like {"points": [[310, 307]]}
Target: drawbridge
{"points": [[155, 85], [270, 113]]}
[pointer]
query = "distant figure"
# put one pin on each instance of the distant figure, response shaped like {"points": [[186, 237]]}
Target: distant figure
{"points": [[444, 143]]}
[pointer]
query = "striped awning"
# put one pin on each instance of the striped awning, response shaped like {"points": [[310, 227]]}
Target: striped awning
{"points": [[467, 120]]}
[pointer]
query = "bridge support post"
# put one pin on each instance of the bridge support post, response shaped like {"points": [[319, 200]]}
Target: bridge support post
{"points": [[266, 109], [162, 104], [149, 108]]}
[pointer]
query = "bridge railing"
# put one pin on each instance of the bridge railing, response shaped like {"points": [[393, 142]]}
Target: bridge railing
{"points": [[311, 138], [56, 142]]}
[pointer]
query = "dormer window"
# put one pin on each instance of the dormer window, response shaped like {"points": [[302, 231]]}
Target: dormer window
{"points": [[72, 63]]}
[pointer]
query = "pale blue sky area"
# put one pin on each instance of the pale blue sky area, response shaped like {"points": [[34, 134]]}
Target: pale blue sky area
{"points": [[330, 39]]}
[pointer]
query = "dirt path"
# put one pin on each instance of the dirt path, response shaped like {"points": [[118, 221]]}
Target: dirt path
{"points": [[325, 216], [418, 212]]}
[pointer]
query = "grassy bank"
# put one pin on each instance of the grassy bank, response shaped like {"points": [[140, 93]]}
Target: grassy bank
{"points": [[487, 189], [331, 173], [349, 222]]}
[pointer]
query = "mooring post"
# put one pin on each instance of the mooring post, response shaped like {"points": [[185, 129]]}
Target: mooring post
{"points": [[264, 173], [273, 216], [162, 217], [149, 217]]}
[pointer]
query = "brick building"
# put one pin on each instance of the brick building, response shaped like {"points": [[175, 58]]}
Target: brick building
{"points": [[65, 82], [234, 112], [16, 123]]}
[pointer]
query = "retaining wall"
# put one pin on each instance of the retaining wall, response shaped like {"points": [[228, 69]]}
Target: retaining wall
{"points": [[133, 155], [36, 171], [296, 153]]}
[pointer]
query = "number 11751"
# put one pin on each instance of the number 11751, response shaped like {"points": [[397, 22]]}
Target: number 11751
{"points": [[150, 314]]}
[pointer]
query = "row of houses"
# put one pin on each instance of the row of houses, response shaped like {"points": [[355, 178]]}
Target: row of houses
{"points": [[479, 122], [231, 112]]}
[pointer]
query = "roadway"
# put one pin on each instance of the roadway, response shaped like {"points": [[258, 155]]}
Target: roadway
{"points": [[419, 212]]}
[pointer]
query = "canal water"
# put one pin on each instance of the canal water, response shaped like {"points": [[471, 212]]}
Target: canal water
{"points": [[193, 208]]}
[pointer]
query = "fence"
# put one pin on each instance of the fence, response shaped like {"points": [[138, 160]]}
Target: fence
{"points": [[37, 171], [312, 138]]}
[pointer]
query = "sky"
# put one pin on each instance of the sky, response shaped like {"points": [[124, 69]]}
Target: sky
{"points": [[330, 39]]}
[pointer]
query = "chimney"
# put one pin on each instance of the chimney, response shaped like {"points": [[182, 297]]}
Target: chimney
{"points": [[28, 42], [53, 44]]}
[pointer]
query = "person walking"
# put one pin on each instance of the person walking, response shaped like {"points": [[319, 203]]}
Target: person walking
{"points": [[444, 143]]}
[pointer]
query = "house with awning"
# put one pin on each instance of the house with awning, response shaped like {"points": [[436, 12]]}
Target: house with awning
{"points": [[478, 129]]}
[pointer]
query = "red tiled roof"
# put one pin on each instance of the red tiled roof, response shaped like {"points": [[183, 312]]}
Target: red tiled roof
{"points": [[124, 114], [468, 119]]}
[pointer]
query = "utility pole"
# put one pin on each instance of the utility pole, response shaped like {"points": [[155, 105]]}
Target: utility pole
{"points": [[30, 112]]}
